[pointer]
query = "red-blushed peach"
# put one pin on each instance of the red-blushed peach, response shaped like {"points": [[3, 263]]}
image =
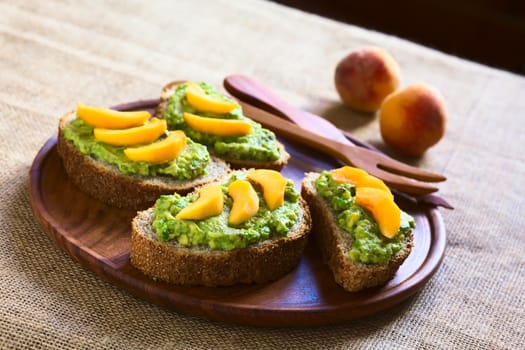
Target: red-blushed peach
{"points": [[365, 77], [413, 119]]}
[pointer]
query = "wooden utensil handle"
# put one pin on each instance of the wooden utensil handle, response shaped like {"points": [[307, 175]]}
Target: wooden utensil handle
{"points": [[253, 92]]}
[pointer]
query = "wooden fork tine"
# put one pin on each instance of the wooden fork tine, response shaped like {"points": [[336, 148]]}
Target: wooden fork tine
{"points": [[390, 165], [403, 184], [400, 168]]}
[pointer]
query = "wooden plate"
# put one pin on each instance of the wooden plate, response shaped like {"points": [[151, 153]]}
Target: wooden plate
{"points": [[98, 236]]}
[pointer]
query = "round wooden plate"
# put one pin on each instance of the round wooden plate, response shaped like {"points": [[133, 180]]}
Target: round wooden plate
{"points": [[98, 236]]}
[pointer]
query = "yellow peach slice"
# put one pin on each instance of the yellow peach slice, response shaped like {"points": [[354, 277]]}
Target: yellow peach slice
{"points": [[273, 185], [245, 202], [216, 126], [374, 182], [348, 174], [198, 98], [160, 151], [382, 207], [110, 119], [209, 203], [358, 177], [146, 133]]}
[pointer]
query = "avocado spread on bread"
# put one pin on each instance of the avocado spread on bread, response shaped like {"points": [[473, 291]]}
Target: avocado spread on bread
{"points": [[190, 164], [260, 144], [215, 232], [369, 245]]}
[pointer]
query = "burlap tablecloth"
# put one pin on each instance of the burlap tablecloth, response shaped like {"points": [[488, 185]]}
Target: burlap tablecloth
{"points": [[55, 53]]}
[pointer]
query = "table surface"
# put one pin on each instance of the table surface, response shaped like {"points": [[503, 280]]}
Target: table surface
{"points": [[55, 53]]}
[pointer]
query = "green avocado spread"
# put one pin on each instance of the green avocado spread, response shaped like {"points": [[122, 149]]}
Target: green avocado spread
{"points": [[215, 232], [190, 164], [369, 245], [258, 145]]}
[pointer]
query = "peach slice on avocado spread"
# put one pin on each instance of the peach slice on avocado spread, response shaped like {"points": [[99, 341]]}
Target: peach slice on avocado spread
{"points": [[160, 151], [273, 185], [245, 202], [198, 98], [358, 177], [110, 119], [383, 208], [146, 133], [217, 126], [209, 203], [373, 195]]}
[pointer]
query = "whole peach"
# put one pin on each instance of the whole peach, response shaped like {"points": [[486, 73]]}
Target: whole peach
{"points": [[413, 119], [365, 77]]}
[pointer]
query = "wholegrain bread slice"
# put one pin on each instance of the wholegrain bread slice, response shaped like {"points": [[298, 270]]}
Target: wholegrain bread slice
{"points": [[106, 183], [258, 263], [335, 245], [278, 164]]}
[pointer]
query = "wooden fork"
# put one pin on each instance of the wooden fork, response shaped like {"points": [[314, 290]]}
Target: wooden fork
{"points": [[319, 133]]}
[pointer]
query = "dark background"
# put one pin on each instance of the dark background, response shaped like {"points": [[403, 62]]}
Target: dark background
{"points": [[491, 32]]}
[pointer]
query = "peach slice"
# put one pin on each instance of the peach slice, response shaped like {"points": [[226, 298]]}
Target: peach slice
{"points": [[146, 133], [358, 177], [273, 185], [348, 174], [382, 207], [110, 119], [245, 202], [160, 151], [217, 126], [198, 98], [209, 203]]}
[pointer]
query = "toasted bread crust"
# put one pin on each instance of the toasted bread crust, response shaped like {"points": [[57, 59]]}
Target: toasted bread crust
{"points": [[336, 243], [257, 263], [278, 164], [105, 183]]}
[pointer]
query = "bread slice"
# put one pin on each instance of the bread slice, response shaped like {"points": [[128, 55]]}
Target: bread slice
{"points": [[335, 244], [106, 183], [278, 164], [258, 263]]}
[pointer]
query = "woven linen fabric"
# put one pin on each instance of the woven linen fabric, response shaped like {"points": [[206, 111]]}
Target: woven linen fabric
{"points": [[55, 53]]}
